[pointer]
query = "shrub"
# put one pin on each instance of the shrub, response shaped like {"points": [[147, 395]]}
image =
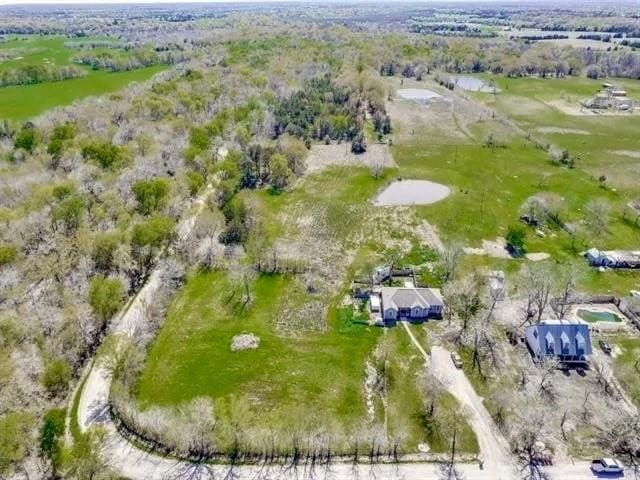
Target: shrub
{"points": [[15, 432], [195, 181], [155, 232], [57, 376], [516, 240], [106, 296], [105, 154], [151, 195], [8, 254], [69, 212], [26, 139]]}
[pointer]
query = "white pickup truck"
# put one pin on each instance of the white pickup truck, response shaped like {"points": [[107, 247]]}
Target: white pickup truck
{"points": [[607, 465]]}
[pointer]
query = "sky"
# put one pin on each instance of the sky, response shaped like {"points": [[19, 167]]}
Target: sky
{"points": [[99, 2]]}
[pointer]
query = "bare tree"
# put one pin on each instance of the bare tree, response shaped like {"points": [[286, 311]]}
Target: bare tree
{"points": [[597, 214], [538, 285]]}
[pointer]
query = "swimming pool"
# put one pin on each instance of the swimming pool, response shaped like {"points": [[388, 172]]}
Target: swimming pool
{"points": [[594, 316]]}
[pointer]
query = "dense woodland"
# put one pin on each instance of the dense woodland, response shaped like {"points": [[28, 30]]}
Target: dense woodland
{"points": [[91, 195]]}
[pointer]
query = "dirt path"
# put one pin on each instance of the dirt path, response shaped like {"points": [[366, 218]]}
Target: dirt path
{"points": [[416, 343], [493, 446]]}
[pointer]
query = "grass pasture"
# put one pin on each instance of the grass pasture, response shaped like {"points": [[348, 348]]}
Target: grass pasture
{"points": [[489, 185], [22, 102]]}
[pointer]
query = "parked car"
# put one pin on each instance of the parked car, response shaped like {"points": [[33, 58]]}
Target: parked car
{"points": [[607, 465], [457, 361], [605, 346]]}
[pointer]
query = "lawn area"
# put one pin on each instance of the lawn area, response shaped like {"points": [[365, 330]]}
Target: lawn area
{"points": [[627, 366], [285, 377], [27, 101], [289, 383]]}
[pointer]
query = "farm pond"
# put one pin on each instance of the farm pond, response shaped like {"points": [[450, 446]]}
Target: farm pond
{"points": [[411, 192]]}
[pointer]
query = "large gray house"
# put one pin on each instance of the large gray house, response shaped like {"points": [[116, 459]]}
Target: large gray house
{"points": [[568, 341], [410, 303]]}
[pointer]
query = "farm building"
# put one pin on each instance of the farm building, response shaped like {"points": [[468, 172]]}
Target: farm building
{"points": [[613, 258], [569, 341], [610, 97], [411, 303]]}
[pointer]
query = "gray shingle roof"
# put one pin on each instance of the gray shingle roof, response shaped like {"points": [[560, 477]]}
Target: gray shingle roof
{"points": [[409, 297]]}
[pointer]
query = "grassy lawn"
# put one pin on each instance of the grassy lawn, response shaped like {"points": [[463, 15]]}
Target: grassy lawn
{"points": [[27, 101], [627, 366]]}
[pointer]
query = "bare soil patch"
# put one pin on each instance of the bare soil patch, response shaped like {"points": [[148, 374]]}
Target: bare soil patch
{"points": [[324, 156], [537, 257], [563, 131], [626, 153]]}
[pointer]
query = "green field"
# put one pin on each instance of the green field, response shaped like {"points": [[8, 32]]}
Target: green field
{"points": [[27, 101], [312, 374], [489, 185]]}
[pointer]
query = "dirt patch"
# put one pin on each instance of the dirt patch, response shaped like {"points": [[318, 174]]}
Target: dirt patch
{"points": [[421, 95], [562, 131], [324, 156], [494, 248], [625, 153], [537, 257], [246, 341]]}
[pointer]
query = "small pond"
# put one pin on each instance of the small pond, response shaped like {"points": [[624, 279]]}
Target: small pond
{"points": [[418, 94], [594, 316], [411, 192], [473, 84]]}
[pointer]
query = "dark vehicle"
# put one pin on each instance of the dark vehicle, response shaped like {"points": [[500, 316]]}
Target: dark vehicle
{"points": [[605, 346]]}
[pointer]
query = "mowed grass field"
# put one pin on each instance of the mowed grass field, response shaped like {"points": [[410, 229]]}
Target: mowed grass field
{"points": [[27, 101], [489, 185], [313, 380]]}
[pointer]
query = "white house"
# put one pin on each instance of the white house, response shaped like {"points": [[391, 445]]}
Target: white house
{"points": [[411, 303]]}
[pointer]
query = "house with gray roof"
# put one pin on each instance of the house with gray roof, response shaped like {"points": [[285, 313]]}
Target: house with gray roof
{"points": [[569, 341], [411, 303]]}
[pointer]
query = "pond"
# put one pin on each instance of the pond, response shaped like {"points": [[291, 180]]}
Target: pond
{"points": [[594, 316], [473, 84], [418, 94], [411, 192]]}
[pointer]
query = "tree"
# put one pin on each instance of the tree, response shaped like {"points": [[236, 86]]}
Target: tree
{"points": [[69, 212], [104, 249], [105, 154], [86, 459], [280, 174], [359, 143], [151, 195], [597, 216], [51, 436], [106, 297], [537, 286], [57, 376], [155, 232], [27, 138], [516, 240]]}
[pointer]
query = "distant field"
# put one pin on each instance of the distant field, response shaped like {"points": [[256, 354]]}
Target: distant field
{"points": [[27, 101]]}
